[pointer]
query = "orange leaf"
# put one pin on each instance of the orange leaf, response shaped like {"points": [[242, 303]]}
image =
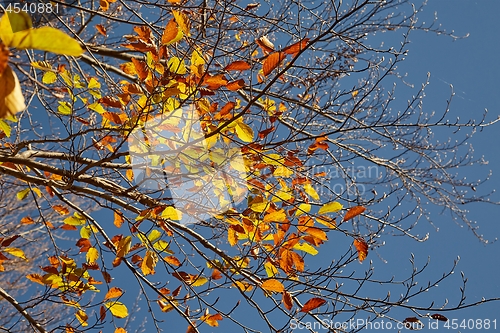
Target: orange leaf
{"points": [[141, 68], [271, 62], [172, 260], [297, 47], [211, 320], [113, 293], [298, 261], [113, 117], [265, 44], [362, 248], [317, 232], [27, 220], [101, 29], [273, 285], [216, 275], [236, 85], [232, 237], [353, 212], [215, 82], [171, 31], [287, 300], [118, 219], [312, 304], [238, 65]]}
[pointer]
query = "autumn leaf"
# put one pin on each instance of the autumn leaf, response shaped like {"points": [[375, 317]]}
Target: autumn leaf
{"points": [[265, 44], [149, 263], [273, 285], [238, 65], [44, 38], [11, 96], [82, 317], [287, 300], [120, 330], [183, 22], [244, 132], [353, 212], [439, 317], [297, 47], [15, 252], [271, 62], [172, 33], [211, 320], [118, 309], [362, 248], [101, 29], [236, 85], [123, 247], [113, 292], [92, 255], [330, 207], [312, 304], [61, 209], [118, 219]]}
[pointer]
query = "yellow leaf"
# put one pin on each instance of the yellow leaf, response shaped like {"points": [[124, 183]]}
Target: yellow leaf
{"points": [[330, 207], [82, 317], [197, 64], [303, 208], [118, 309], [75, 220], [183, 22], [200, 280], [11, 96], [232, 237], [244, 132], [123, 246], [171, 213], [92, 255], [154, 235], [64, 108], [172, 33], [282, 171], [177, 66], [311, 191], [15, 252], [271, 270], [306, 248], [149, 263], [49, 77], [5, 128], [45, 38], [277, 216], [21, 195], [162, 246], [273, 285]]}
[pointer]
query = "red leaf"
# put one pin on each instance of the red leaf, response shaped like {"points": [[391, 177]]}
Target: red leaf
{"points": [[312, 304], [297, 47], [362, 248], [353, 212], [238, 65], [271, 62]]}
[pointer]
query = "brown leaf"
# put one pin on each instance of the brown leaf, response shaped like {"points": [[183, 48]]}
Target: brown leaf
{"points": [[297, 47], [265, 44], [353, 212], [438, 316], [362, 248], [312, 304], [287, 300], [102, 314], [238, 65], [271, 62]]}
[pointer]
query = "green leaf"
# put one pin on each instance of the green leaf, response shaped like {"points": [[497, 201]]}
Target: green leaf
{"points": [[330, 207], [154, 235], [118, 309]]}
